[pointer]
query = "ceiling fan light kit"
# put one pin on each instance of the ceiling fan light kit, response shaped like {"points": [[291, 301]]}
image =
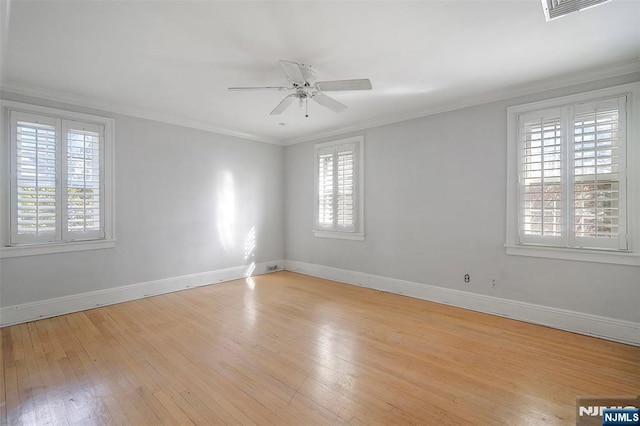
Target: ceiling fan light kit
{"points": [[304, 84]]}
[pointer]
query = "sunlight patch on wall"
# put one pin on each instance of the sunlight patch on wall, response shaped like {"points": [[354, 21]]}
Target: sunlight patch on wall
{"points": [[226, 211], [250, 251], [251, 269], [250, 244]]}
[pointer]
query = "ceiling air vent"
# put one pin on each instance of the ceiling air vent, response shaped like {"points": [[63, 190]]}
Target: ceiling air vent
{"points": [[557, 8]]}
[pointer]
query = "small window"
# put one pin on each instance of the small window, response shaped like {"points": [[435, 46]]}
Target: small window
{"points": [[568, 186], [338, 189], [59, 180]]}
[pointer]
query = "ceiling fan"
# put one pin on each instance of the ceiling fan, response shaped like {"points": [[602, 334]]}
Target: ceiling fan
{"points": [[304, 85]]}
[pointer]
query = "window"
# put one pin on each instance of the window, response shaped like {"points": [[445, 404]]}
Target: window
{"points": [[568, 187], [59, 181], [338, 189]]}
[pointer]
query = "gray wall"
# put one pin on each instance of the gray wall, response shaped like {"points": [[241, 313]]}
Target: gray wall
{"points": [[185, 202], [435, 208]]}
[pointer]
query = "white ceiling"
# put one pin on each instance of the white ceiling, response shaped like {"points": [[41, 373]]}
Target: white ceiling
{"points": [[173, 60]]}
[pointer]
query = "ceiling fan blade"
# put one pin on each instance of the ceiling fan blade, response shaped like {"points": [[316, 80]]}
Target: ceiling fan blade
{"points": [[358, 84], [293, 72], [328, 102], [284, 104], [237, 89]]}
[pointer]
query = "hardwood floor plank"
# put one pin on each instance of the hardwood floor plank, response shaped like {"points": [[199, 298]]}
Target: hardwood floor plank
{"points": [[292, 349], [47, 392], [12, 400]]}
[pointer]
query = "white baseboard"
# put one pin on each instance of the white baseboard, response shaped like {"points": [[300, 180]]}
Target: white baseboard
{"points": [[592, 325], [78, 302], [578, 322]]}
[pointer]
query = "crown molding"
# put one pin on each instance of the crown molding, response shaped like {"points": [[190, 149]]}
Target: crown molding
{"points": [[116, 108], [567, 80]]}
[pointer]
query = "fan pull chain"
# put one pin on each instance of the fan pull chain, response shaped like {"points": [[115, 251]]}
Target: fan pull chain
{"points": [[306, 107]]}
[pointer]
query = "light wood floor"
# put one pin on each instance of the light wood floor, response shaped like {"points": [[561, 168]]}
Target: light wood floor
{"points": [[291, 349]]}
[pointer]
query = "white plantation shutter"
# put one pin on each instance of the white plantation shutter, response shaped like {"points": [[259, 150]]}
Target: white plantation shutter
{"points": [[57, 179], [345, 202], [599, 176], [82, 168], [572, 180], [325, 188], [36, 198], [541, 173], [338, 203]]}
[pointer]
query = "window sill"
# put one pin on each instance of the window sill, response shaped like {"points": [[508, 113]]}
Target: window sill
{"points": [[39, 249], [598, 256], [339, 235]]}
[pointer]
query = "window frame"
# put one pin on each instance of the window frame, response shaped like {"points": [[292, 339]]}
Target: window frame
{"points": [[62, 118], [513, 245], [349, 233]]}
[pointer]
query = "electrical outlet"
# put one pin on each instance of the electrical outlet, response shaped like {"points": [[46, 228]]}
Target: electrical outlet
{"points": [[493, 281], [467, 278]]}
